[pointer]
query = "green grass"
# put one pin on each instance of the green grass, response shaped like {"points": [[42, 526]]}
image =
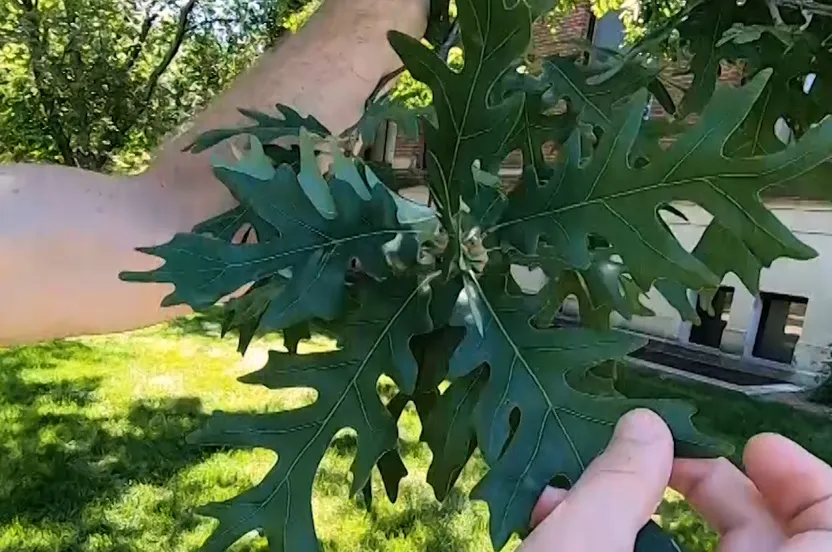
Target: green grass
{"points": [[93, 453]]}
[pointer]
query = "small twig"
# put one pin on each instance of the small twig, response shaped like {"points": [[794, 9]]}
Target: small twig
{"points": [[381, 85], [442, 51], [137, 47], [807, 17], [775, 13], [808, 6], [449, 42]]}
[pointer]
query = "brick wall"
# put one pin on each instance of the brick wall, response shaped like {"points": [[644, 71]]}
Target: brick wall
{"points": [[554, 37]]}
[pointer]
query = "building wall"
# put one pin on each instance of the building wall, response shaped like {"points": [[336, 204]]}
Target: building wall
{"points": [[812, 223]]}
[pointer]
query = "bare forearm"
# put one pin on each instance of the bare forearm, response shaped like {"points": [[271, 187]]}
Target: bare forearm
{"points": [[327, 70], [65, 234]]}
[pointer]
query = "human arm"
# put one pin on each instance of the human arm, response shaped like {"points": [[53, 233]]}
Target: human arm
{"points": [[65, 234]]}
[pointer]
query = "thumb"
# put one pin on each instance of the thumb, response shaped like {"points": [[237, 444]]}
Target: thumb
{"points": [[616, 495]]}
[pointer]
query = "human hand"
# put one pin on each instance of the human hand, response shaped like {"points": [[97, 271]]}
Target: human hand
{"points": [[783, 504]]}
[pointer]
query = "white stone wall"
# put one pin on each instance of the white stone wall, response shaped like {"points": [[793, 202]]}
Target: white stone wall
{"points": [[812, 223]]}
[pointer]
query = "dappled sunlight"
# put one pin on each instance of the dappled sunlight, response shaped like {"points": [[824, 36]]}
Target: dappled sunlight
{"points": [[679, 519]]}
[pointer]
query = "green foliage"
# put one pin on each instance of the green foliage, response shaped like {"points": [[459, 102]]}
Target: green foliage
{"points": [[435, 299], [98, 83]]}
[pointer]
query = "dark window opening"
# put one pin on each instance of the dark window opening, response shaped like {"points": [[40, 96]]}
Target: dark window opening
{"points": [[780, 327], [712, 326]]}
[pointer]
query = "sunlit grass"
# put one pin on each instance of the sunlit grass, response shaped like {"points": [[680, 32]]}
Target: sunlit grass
{"points": [[93, 453]]}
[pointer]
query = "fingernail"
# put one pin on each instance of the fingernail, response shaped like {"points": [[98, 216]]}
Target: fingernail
{"points": [[641, 425]]}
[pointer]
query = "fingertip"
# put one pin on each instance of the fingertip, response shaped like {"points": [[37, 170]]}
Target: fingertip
{"points": [[767, 454], [686, 471], [643, 425], [761, 443], [550, 498]]}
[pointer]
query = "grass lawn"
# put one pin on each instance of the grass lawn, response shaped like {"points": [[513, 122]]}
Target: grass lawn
{"points": [[93, 453]]}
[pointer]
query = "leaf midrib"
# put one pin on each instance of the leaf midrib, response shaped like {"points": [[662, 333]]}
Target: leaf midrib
{"points": [[604, 199], [552, 408], [529, 371], [235, 265]]}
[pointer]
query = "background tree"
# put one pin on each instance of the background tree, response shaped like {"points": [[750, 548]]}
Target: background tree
{"points": [[97, 83]]}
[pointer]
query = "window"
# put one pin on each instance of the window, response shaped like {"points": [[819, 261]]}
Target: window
{"points": [[712, 326], [608, 31], [780, 326]]}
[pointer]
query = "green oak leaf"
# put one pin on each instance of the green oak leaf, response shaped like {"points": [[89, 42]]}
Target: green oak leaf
{"points": [[431, 351], [263, 160], [407, 119], [310, 253], [227, 225], [374, 341], [591, 97], [603, 287], [469, 126], [677, 296], [701, 29], [611, 197], [267, 128], [721, 252], [560, 429], [449, 432], [390, 465], [537, 128]]}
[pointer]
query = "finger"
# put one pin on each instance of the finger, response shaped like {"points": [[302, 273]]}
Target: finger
{"points": [[619, 490], [730, 503], [796, 485], [546, 504]]}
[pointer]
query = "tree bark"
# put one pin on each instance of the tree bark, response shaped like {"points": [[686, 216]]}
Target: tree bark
{"points": [[47, 100], [136, 49], [179, 37], [124, 124]]}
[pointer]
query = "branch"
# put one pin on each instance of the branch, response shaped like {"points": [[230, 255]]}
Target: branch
{"points": [[181, 31], [210, 22], [137, 48], [775, 13], [807, 6], [47, 101]]}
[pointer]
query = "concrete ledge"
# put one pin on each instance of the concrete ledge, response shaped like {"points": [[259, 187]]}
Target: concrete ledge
{"points": [[748, 390]]}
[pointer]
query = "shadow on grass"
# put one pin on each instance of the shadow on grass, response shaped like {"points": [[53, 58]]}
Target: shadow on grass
{"points": [[57, 456], [205, 324], [413, 519]]}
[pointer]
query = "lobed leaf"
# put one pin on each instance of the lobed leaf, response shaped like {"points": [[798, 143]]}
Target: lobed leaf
{"points": [[374, 341], [469, 126], [266, 128], [302, 256], [614, 198], [560, 430]]}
